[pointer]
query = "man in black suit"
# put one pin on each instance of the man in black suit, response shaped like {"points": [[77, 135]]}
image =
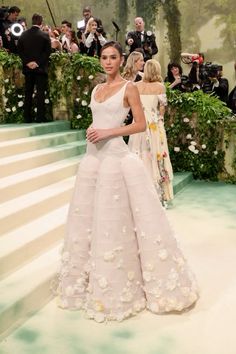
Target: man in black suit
{"points": [[142, 40], [34, 48]]}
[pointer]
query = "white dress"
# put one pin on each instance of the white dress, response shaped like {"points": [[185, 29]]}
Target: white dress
{"points": [[120, 254], [151, 146]]}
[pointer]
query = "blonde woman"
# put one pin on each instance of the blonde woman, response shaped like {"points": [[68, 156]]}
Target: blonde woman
{"points": [[134, 67], [133, 72], [93, 37], [151, 146]]}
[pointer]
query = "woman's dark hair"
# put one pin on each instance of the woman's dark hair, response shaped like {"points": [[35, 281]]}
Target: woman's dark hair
{"points": [[170, 78], [113, 44]]}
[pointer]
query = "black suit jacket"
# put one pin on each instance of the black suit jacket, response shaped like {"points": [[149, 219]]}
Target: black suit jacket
{"points": [[34, 45], [148, 45]]}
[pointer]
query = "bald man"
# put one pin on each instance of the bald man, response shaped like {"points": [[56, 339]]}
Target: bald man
{"points": [[141, 40]]}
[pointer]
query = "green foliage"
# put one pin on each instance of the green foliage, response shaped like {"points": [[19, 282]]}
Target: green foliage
{"points": [[72, 77], [195, 124]]}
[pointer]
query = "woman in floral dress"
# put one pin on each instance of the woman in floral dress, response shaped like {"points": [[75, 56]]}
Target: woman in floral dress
{"points": [[151, 146]]}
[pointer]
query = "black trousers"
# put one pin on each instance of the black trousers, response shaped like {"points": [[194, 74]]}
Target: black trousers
{"points": [[38, 81]]}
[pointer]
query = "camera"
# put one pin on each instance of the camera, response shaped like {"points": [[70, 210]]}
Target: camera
{"points": [[209, 70], [100, 29]]}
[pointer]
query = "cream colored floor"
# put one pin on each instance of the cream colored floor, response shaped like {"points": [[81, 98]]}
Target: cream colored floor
{"points": [[204, 216]]}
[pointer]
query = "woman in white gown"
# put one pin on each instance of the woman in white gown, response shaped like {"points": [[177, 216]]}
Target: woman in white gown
{"points": [[151, 146], [120, 254]]}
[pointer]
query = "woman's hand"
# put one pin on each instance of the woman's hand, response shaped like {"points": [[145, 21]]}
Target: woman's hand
{"points": [[95, 135]]}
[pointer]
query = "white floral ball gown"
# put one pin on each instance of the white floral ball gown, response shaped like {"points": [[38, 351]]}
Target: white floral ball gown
{"points": [[120, 254]]}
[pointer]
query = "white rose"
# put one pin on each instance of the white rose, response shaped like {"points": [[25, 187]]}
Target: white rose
{"points": [[176, 149], [8, 109], [5, 99], [196, 151], [191, 148], [13, 109], [7, 80], [188, 136], [208, 122], [90, 77], [78, 77], [20, 103], [186, 120], [46, 101], [19, 96], [84, 103], [78, 116], [203, 146], [193, 143], [77, 99], [149, 33], [215, 152]]}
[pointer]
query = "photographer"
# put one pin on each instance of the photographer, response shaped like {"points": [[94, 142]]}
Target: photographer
{"points": [[142, 39], [9, 40], [213, 82], [175, 78], [94, 38]]}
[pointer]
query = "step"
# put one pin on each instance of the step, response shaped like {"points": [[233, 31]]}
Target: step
{"points": [[13, 164], [181, 179], [17, 131], [19, 146], [27, 290], [30, 180], [28, 241], [19, 211]]}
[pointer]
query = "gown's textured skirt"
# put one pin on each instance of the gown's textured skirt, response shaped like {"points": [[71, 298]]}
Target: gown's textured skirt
{"points": [[120, 254]]}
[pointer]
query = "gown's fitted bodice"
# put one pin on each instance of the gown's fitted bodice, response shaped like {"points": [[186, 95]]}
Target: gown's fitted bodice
{"points": [[108, 114]]}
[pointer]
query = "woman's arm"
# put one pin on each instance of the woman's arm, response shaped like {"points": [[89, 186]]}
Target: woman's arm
{"points": [[132, 99], [88, 41]]}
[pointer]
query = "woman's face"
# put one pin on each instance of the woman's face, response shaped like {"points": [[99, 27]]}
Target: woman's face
{"points": [[175, 71], [139, 64], [68, 34], [94, 26], [111, 60]]}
